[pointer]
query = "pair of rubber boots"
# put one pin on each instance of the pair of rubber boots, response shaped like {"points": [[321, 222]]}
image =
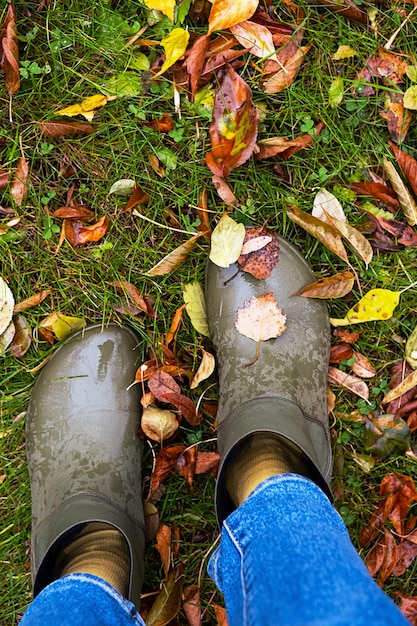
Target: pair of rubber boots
{"points": [[83, 452]]}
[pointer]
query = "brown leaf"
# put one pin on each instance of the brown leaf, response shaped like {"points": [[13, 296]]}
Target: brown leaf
{"points": [[340, 352], [202, 214], [186, 406], [205, 369], [375, 558], [145, 303], [168, 602], [162, 384], [351, 383], [407, 384], [191, 605], [408, 607], [234, 127], [259, 262], [288, 70], [65, 129], [79, 235], [348, 9], [165, 462], [224, 191], [163, 545], [138, 197], [398, 118], [22, 338], [163, 124], [407, 164], [20, 181], [207, 461], [386, 66], [407, 202], [357, 241], [390, 556], [9, 51], [32, 301], [78, 212], [407, 552], [379, 191], [283, 147], [397, 492], [404, 234], [346, 335], [195, 60], [362, 367], [335, 286], [174, 259], [186, 465], [224, 13], [4, 178], [325, 233]]}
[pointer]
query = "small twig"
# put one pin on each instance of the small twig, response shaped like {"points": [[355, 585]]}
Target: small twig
{"points": [[394, 35], [148, 219], [135, 37]]}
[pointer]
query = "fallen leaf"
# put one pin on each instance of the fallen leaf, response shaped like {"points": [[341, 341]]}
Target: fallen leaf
{"points": [[376, 304], [390, 556], [221, 615], [174, 259], [62, 325], [260, 319], [145, 303], [351, 383], [346, 8], [207, 461], [410, 98], [195, 60], [158, 424], [379, 191], [325, 205], [362, 366], [411, 349], [202, 214], [346, 335], [357, 241], [206, 368], [87, 108], [284, 147], [408, 383], [340, 352], [186, 465], [234, 127], [325, 233], [398, 118], [32, 301], [164, 464], [6, 337], [20, 182], [226, 241], [408, 167], [224, 191], [407, 552], [405, 235], [287, 72], [163, 124], [4, 178], [6, 305], [163, 546], [335, 286], [408, 607], [257, 39], [165, 389], [174, 44], [9, 51], [406, 200], [22, 338], [79, 235], [151, 520], [260, 252], [386, 436], [164, 6], [168, 602], [65, 129], [191, 605], [225, 13], [196, 307], [344, 52], [123, 187]]}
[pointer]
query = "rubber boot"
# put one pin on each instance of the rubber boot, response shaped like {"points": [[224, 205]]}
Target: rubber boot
{"points": [[83, 453], [284, 391]]}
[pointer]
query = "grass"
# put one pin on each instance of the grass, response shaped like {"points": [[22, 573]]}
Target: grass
{"points": [[77, 54]]}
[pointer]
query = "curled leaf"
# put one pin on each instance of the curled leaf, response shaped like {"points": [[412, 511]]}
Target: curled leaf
{"points": [[22, 338], [174, 259], [325, 233], [341, 379], [325, 205], [62, 325], [9, 51], [335, 286], [205, 369], [32, 301]]}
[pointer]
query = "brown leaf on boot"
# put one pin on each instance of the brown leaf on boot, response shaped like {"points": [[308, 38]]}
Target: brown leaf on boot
{"points": [[260, 261]]}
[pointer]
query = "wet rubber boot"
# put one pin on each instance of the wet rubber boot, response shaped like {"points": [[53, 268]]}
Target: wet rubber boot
{"points": [[284, 391], [83, 453]]}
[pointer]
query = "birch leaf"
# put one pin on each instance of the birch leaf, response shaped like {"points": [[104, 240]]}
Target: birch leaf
{"points": [[398, 391], [326, 204], [341, 379], [87, 108], [205, 369], [361, 246], [325, 233], [6, 305], [196, 307], [174, 44], [171, 261], [407, 201], [335, 286], [226, 241], [376, 304]]}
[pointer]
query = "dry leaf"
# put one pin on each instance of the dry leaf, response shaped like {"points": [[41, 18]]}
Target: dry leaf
{"points": [[191, 605], [398, 118], [196, 307], [224, 191], [325, 205], [408, 167], [260, 252], [196, 57], [407, 201], [376, 304], [168, 602], [226, 241], [22, 338], [9, 51], [225, 13], [234, 127], [138, 197], [287, 72], [87, 108], [6, 305], [379, 191], [78, 235], [174, 259], [62, 325], [158, 424], [408, 383], [341, 379], [257, 39], [79, 212], [260, 319], [362, 366], [207, 461], [6, 337], [205, 369], [20, 181], [165, 461], [65, 129], [145, 303], [32, 301], [165, 389], [360, 245], [175, 324], [325, 233], [163, 545], [284, 147], [335, 286]]}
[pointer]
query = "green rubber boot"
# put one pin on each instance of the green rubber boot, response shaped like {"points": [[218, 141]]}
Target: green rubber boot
{"points": [[284, 391], [83, 453]]}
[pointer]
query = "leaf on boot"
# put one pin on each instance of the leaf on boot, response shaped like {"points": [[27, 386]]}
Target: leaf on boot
{"points": [[259, 254], [260, 319], [226, 241], [335, 286]]}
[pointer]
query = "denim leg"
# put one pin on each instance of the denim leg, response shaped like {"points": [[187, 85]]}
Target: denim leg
{"points": [[81, 600], [285, 559]]}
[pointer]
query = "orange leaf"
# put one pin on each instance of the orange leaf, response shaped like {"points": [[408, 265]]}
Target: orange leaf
{"points": [[335, 286], [165, 462], [407, 164], [22, 337], [398, 118], [283, 147], [32, 301], [175, 324], [164, 124], [226, 13], [234, 127], [78, 234], [79, 212], [207, 461], [284, 77], [20, 181], [390, 556], [138, 197], [186, 465], [9, 51], [195, 60], [362, 367], [163, 545]]}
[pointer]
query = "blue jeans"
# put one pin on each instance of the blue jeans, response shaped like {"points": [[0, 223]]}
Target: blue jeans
{"points": [[285, 559]]}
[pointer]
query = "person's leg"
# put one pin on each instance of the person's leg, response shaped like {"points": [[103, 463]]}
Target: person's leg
{"points": [[84, 461], [285, 557]]}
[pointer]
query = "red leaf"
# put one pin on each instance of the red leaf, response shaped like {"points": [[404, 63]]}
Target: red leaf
{"points": [[65, 129], [404, 233], [20, 181], [379, 191], [78, 234], [9, 51], [165, 462], [234, 127], [191, 605], [164, 124], [340, 352], [407, 164]]}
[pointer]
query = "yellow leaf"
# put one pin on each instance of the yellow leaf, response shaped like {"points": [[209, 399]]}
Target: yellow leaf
{"points": [[196, 307], [87, 107], [163, 6], [398, 391], [63, 325], [410, 98], [226, 241], [174, 44], [205, 369], [226, 13], [158, 424], [377, 304], [344, 52]]}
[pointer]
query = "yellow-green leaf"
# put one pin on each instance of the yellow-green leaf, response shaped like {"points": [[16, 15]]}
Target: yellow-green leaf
{"points": [[163, 6], [196, 307], [63, 325], [336, 90], [87, 107], [174, 44], [410, 98], [344, 52], [226, 241], [377, 304], [411, 71]]}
